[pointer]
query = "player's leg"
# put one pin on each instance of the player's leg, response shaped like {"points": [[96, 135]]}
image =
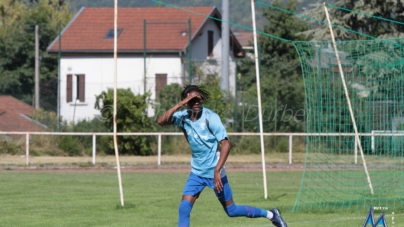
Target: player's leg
{"points": [[184, 210], [232, 210], [193, 187]]}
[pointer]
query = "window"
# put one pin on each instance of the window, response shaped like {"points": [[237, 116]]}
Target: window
{"points": [[78, 89], [110, 33], [210, 43], [161, 82]]}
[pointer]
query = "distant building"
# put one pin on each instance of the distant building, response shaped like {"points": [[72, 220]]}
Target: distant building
{"points": [[152, 52], [15, 116]]}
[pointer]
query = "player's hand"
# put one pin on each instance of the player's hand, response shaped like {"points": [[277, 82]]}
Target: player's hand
{"points": [[188, 98], [218, 181]]}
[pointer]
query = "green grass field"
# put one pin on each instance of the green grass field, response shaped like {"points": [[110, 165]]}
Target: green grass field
{"points": [[151, 199]]}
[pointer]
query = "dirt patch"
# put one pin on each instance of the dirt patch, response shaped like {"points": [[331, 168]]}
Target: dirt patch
{"points": [[172, 167], [275, 162]]}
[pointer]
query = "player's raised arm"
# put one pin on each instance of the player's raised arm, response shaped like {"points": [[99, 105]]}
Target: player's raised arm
{"points": [[166, 118]]}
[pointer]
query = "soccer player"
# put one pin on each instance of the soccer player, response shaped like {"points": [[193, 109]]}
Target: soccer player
{"points": [[204, 131]]}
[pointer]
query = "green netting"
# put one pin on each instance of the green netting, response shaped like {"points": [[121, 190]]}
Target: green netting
{"points": [[334, 177]]}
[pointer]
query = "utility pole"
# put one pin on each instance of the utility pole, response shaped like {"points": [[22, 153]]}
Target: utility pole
{"points": [[36, 67], [59, 70], [224, 81]]}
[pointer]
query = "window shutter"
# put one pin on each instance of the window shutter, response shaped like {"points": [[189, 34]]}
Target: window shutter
{"points": [[69, 88], [161, 82], [82, 87]]}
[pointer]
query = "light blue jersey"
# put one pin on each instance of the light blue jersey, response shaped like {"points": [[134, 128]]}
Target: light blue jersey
{"points": [[203, 140]]}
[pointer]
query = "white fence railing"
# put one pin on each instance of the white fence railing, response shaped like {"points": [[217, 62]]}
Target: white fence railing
{"points": [[159, 134], [378, 133]]}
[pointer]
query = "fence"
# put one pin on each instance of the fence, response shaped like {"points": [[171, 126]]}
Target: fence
{"points": [[159, 134]]}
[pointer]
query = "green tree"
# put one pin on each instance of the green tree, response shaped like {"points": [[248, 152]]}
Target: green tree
{"points": [[281, 80], [10, 12], [131, 117], [359, 22], [17, 48], [220, 102]]}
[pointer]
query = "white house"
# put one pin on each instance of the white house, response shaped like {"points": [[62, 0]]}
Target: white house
{"points": [[152, 52]]}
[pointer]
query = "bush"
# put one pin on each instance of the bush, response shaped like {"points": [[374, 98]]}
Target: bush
{"points": [[71, 146], [245, 144], [10, 147], [132, 117], [283, 145], [173, 145]]}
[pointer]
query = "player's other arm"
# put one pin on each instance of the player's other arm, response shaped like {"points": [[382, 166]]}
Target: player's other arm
{"points": [[224, 153]]}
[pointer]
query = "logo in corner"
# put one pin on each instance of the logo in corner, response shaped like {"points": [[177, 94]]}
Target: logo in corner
{"points": [[370, 220]]}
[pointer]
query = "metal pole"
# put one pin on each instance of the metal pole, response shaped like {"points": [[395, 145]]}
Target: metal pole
{"points": [[275, 118], [242, 105], [290, 148], [189, 51], [94, 148], [159, 150], [118, 166], [144, 57], [235, 120], [36, 67], [224, 81], [356, 152], [372, 140], [59, 73], [27, 149], [257, 71]]}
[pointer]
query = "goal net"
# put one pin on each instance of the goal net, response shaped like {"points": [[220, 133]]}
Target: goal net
{"points": [[334, 175]]}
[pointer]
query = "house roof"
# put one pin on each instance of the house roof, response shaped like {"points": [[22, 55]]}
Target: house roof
{"points": [[244, 38], [166, 29], [14, 115]]}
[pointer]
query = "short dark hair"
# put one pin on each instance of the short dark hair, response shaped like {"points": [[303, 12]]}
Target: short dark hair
{"points": [[205, 95]]}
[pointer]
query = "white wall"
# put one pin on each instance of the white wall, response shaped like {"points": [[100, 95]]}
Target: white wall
{"points": [[213, 65], [99, 73]]}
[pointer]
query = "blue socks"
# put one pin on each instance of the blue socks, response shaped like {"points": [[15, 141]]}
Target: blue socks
{"points": [[184, 211], [251, 212]]}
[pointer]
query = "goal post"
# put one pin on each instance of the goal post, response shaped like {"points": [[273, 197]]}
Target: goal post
{"points": [[348, 100]]}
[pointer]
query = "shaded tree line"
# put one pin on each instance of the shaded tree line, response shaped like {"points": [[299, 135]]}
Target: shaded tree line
{"points": [[17, 47]]}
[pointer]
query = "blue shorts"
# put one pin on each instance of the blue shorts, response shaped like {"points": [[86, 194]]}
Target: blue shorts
{"points": [[195, 184]]}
